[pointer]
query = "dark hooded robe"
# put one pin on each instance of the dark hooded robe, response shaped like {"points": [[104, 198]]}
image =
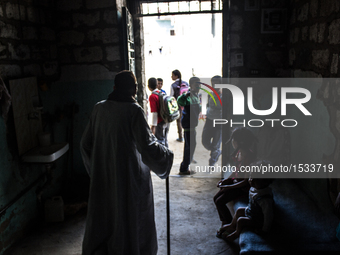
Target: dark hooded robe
{"points": [[118, 151]]}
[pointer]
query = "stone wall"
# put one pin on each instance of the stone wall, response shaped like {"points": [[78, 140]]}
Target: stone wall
{"points": [[314, 52], [314, 45], [74, 47], [88, 36], [314, 36], [28, 40]]}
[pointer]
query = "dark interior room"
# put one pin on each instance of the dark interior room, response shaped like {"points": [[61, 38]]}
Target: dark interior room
{"points": [[58, 58]]}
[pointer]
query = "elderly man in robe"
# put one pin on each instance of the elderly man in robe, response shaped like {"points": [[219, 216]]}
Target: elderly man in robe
{"points": [[118, 150]]}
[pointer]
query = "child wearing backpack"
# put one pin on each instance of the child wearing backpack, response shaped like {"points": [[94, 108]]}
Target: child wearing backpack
{"points": [[175, 90], [189, 121], [158, 125], [212, 135]]}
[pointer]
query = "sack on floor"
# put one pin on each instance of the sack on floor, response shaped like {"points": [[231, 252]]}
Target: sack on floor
{"points": [[169, 110]]}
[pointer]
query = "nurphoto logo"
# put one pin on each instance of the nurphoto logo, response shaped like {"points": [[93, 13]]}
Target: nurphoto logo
{"points": [[239, 103]]}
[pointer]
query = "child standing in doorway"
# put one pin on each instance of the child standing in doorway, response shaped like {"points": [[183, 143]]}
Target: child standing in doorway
{"points": [[235, 186], [176, 76], [189, 121], [212, 135]]}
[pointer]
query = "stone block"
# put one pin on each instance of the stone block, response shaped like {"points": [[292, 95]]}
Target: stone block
{"points": [[95, 35], [10, 71], [90, 54], [8, 31], [86, 19], [107, 35], [110, 35], [19, 52], [12, 11], [47, 34], [317, 32], [320, 58], [110, 17], [3, 51], [112, 53], [321, 32], [67, 5], [71, 37], [302, 14], [29, 33], [334, 32], [314, 7], [32, 70], [33, 14], [236, 23], [40, 52], [22, 12], [334, 64], [50, 68], [98, 4], [313, 33], [304, 33], [327, 7]]}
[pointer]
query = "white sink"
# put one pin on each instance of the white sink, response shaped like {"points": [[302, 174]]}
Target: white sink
{"points": [[46, 154]]}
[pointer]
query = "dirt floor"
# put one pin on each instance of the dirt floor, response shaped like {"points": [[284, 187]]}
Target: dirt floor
{"points": [[193, 216]]}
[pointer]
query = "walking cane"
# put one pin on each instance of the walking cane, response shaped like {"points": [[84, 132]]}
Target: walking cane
{"points": [[167, 213]]}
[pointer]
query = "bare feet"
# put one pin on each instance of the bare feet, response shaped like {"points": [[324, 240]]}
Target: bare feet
{"points": [[227, 228], [231, 237]]}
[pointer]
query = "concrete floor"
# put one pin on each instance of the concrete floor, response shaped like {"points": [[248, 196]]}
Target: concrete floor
{"points": [[194, 219]]}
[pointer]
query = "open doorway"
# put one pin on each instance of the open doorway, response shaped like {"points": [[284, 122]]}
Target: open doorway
{"points": [[189, 43]]}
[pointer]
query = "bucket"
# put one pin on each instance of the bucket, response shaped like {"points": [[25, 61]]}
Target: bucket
{"points": [[54, 209]]}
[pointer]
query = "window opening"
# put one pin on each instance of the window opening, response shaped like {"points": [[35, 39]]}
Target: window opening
{"points": [[181, 7]]}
